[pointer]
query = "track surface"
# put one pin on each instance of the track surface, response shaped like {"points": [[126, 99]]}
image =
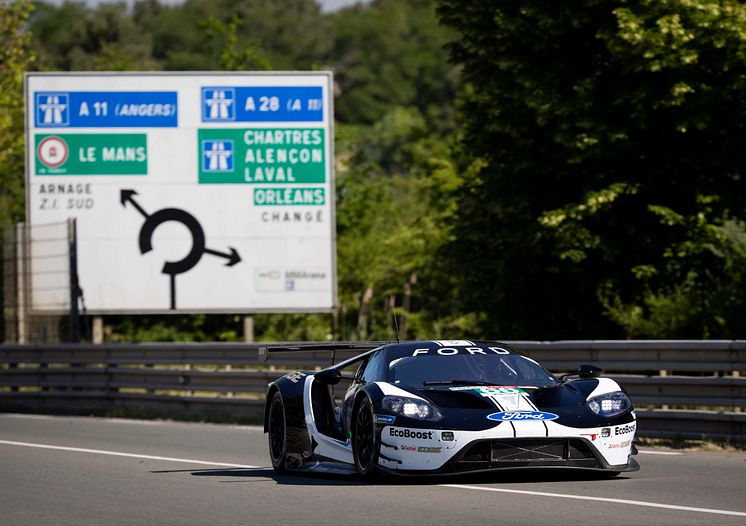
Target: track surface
{"points": [[49, 485]]}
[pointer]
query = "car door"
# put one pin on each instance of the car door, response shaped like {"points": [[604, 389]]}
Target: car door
{"points": [[370, 370]]}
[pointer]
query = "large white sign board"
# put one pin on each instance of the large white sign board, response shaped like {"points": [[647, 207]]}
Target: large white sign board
{"points": [[193, 192]]}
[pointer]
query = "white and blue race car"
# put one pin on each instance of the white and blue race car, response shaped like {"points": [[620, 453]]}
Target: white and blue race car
{"points": [[437, 407]]}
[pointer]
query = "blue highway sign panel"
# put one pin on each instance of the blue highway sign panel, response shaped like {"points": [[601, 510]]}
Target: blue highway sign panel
{"points": [[105, 109], [262, 104]]}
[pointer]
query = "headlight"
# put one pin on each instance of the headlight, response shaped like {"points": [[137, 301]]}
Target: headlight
{"points": [[411, 407], [610, 404]]}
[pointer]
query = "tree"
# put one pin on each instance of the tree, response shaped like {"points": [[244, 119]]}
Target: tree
{"points": [[591, 118], [72, 37], [390, 53], [394, 186], [16, 57]]}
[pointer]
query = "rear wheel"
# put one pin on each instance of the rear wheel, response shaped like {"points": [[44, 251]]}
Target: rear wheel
{"points": [[364, 441], [277, 435]]}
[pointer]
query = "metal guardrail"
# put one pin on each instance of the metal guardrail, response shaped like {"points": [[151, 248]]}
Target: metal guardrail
{"points": [[213, 379]]}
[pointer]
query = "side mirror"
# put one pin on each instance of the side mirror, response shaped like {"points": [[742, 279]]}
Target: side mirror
{"points": [[586, 371], [328, 376]]}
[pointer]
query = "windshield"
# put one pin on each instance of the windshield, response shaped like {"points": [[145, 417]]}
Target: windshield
{"points": [[462, 369]]}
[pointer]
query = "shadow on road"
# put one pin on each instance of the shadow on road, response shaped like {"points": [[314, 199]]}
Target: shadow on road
{"points": [[329, 479]]}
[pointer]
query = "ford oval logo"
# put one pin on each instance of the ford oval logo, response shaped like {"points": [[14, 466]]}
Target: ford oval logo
{"points": [[521, 416]]}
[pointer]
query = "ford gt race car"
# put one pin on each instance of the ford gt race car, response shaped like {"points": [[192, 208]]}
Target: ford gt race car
{"points": [[436, 407]]}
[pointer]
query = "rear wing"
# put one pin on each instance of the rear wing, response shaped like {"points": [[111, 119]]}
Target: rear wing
{"points": [[311, 350]]}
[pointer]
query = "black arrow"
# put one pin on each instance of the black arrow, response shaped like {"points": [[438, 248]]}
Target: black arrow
{"points": [[232, 258], [126, 195]]}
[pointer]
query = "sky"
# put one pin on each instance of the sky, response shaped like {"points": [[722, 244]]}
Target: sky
{"points": [[326, 5]]}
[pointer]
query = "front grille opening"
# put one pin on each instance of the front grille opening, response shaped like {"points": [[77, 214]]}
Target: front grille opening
{"points": [[510, 451], [530, 452]]}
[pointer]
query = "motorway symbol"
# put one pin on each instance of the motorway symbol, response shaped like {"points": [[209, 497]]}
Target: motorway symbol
{"points": [[153, 221], [52, 109], [218, 104], [217, 156]]}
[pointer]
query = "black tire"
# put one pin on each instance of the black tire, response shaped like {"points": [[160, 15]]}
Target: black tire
{"points": [[365, 446], [277, 433]]}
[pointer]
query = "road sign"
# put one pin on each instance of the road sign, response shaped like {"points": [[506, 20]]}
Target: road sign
{"points": [[193, 192]]}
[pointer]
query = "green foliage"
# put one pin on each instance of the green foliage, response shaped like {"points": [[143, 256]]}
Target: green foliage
{"points": [[174, 328], [390, 53], [393, 192], [222, 41], [16, 57], [698, 291], [596, 121], [72, 37], [236, 34]]}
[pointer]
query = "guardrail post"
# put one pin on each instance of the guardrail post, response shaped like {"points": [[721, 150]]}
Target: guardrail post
{"points": [[736, 408], [97, 335], [663, 373], [189, 392], [21, 282]]}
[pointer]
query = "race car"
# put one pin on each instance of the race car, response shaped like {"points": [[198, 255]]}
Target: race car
{"points": [[439, 407]]}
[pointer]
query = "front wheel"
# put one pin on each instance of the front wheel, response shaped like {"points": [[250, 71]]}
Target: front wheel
{"points": [[277, 435], [364, 441]]}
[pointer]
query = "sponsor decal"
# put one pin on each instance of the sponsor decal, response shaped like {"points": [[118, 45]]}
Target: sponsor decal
{"points": [[593, 436], [447, 436], [499, 390], [521, 416], [450, 351], [490, 390], [619, 445], [419, 449], [606, 432], [296, 377], [291, 280], [623, 430], [385, 419], [410, 433], [454, 343]]}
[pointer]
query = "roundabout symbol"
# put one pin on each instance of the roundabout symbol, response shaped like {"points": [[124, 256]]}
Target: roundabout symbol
{"points": [[199, 248]]}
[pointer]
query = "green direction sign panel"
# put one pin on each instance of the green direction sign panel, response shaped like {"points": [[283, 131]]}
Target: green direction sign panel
{"points": [[262, 155], [288, 196], [91, 154]]}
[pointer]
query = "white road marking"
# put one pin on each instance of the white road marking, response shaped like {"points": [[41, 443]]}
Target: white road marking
{"points": [[129, 421], [600, 499], [129, 455], [648, 452]]}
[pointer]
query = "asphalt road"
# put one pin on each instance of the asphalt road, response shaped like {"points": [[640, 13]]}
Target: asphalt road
{"points": [[86, 471]]}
